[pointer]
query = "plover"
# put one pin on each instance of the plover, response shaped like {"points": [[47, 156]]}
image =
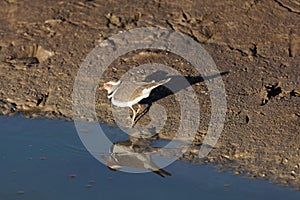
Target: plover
{"points": [[129, 93], [128, 154]]}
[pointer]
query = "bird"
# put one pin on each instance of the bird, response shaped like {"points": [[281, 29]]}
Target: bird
{"points": [[121, 95], [128, 154]]}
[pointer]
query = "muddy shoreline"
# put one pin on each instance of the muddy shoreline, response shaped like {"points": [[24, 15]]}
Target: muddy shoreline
{"points": [[256, 42]]}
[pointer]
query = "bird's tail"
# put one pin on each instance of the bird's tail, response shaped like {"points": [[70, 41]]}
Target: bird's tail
{"points": [[162, 173], [164, 81], [154, 84]]}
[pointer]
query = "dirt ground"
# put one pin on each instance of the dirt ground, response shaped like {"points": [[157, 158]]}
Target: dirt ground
{"points": [[43, 43]]}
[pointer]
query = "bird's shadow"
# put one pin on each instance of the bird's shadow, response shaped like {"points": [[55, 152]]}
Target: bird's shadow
{"points": [[176, 84]]}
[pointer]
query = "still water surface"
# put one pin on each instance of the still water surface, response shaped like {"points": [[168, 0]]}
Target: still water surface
{"points": [[45, 159]]}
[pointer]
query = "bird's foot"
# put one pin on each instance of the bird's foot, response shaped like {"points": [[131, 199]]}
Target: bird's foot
{"points": [[132, 124]]}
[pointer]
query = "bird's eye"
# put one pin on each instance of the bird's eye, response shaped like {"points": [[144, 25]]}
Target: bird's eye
{"points": [[108, 84]]}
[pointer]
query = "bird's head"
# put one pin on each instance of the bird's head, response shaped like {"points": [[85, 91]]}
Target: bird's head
{"points": [[110, 86]]}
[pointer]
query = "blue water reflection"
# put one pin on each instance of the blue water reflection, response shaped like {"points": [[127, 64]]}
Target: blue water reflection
{"points": [[45, 159]]}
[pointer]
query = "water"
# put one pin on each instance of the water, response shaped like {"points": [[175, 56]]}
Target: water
{"points": [[45, 159]]}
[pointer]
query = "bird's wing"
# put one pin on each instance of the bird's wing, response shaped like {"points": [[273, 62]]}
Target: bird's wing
{"points": [[128, 91]]}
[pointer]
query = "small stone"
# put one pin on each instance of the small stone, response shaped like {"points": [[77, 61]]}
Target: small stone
{"points": [[226, 185], [236, 173], [72, 176], [21, 192], [226, 156], [88, 185], [262, 175], [293, 173], [43, 158], [284, 161], [42, 54]]}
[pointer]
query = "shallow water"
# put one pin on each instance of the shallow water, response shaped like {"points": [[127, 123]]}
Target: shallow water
{"points": [[45, 159]]}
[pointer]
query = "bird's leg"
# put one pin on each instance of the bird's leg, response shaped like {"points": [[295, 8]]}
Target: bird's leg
{"points": [[143, 111], [139, 108], [133, 116]]}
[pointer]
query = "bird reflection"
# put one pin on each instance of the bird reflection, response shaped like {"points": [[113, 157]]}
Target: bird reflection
{"points": [[133, 154]]}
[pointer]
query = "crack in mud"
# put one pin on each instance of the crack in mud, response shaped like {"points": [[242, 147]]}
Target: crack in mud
{"points": [[289, 6]]}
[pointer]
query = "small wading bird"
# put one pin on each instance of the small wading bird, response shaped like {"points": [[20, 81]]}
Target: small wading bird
{"points": [[121, 95]]}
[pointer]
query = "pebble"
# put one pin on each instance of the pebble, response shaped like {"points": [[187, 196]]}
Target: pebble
{"points": [[226, 156], [72, 176], [236, 172], [262, 175], [293, 173], [21, 192]]}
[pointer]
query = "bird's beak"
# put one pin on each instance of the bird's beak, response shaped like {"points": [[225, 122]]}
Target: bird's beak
{"points": [[101, 88]]}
